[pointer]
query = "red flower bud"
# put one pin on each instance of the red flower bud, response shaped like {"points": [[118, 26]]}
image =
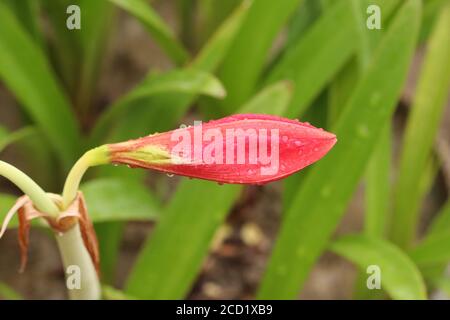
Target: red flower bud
{"points": [[244, 149]]}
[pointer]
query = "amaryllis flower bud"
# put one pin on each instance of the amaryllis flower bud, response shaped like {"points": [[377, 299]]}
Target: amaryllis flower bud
{"points": [[243, 149]]}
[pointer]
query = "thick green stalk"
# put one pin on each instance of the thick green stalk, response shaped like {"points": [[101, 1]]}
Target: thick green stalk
{"points": [[30, 188], [71, 245], [74, 254], [91, 158]]}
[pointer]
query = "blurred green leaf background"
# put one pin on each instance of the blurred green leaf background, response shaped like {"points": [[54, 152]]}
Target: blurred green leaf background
{"points": [[137, 67]]}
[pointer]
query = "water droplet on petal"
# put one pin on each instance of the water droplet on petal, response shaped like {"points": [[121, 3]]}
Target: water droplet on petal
{"points": [[285, 138]]}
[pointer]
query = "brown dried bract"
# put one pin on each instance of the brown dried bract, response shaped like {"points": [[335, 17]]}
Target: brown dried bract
{"points": [[75, 213]]}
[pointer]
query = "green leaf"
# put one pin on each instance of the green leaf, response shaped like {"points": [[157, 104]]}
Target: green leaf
{"points": [[366, 42], [399, 275], [26, 72], [322, 198], [188, 81], [186, 17], [27, 12], [111, 293], [113, 199], [248, 53], [318, 55], [8, 293], [217, 47], [442, 221], [273, 99], [431, 9], [64, 45], [443, 284], [109, 237], [167, 109], [97, 18], [434, 249], [156, 27], [173, 254], [378, 186], [6, 203], [307, 13], [440, 227], [7, 138], [377, 180], [423, 123], [210, 14]]}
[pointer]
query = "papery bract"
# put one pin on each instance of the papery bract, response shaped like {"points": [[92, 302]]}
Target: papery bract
{"points": [[75, 213], [242, 149]]}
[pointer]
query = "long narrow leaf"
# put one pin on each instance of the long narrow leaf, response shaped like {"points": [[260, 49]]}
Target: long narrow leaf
{"points": [[248, 53], [321, 201], [399, 275], [106, 200], [318, 55], [188, 81], [434, 250], [156, 26], [7, 138], [273, 99], [217, 47], [26, 72], [173, 254], [423, 123]]}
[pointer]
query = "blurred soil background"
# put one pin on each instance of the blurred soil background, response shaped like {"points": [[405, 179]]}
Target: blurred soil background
{"points": [[241, 247]]}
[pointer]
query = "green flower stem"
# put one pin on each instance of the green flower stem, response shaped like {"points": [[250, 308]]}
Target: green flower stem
{"points": [[71, 243], [91, 158], [30, 188], [74, 254]]}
